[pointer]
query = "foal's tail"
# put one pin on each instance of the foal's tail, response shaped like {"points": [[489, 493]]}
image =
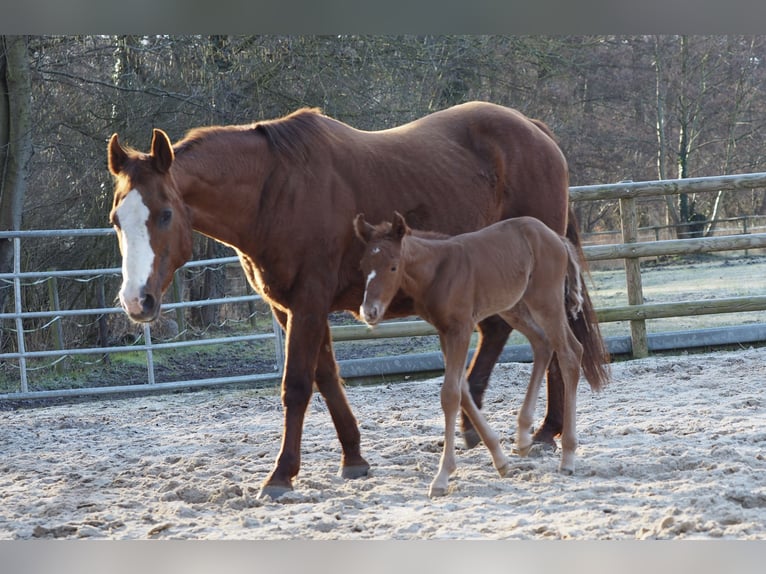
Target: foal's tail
{"points": [[584, 323]]}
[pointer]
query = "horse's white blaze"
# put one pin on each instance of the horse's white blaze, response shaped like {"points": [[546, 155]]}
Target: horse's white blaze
{"points": [[367, 306], [137, 254]]}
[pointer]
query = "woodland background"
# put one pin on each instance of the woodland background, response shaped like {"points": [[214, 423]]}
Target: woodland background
{"points": [[623, 108]]}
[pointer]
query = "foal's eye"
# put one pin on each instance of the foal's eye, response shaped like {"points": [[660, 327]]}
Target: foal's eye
{"points": [[393, 269], [165, 216]]}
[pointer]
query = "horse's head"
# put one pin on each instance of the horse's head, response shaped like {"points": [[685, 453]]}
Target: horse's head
{"points": [[381, 264], [152, 223]]}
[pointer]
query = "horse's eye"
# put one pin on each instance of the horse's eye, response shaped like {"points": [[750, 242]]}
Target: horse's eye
{"points": [[165, 216], [393, 269]]}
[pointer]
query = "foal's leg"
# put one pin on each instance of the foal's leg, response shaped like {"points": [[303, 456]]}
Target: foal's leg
{"points": [[455, 394], [553, 321], [454, 346], [542, 352], [493, 334], [569, 351], [485, 432]]}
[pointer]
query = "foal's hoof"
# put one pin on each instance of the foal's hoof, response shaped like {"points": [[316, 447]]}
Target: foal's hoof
{"points": [[471, 438], [355, 471], [566, 471], [437, 491], [522, 451], [273, 491], [505, 470]]}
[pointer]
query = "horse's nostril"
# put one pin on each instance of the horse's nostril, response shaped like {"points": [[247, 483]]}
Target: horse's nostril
{"points": [[148, 303]]}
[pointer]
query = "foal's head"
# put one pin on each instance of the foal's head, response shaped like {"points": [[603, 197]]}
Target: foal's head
{"points": [[381, 264], [152, 223]]}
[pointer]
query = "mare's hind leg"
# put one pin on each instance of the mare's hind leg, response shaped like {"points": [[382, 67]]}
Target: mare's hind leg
{"points": [[554, 414], [493, 334], [330, 385]]}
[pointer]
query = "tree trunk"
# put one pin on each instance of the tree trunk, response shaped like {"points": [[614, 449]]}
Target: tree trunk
{"points": [[15, 143], [671, 215]]}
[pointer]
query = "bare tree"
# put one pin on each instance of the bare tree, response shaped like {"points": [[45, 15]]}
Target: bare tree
{"points": [[15, 141]]}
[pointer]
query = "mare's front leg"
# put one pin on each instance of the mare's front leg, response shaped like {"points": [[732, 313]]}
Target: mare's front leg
{"points": [[455, 349], [304, 334], [330, 384], [493, 334]]}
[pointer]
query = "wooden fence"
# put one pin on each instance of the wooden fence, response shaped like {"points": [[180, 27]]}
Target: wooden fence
{"points": [[631, 251]]}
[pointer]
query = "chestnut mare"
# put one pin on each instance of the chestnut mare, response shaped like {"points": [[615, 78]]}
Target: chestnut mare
{"points": [[518, 269], [283, 194]]}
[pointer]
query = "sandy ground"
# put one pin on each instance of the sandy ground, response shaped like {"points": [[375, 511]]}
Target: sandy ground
{"points": [[674, 448]]}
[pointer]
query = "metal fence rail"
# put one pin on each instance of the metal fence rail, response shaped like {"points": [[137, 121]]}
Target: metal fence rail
{"points": [[17, 277]]}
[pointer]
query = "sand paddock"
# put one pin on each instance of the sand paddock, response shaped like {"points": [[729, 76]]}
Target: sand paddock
{"points": [[674, 448]]}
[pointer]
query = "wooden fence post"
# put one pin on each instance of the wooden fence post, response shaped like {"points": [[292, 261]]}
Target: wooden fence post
{"points": [[629, 221], [178, 295], [57, 329], [103, 327]]}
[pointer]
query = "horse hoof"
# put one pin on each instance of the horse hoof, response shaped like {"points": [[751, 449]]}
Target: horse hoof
{"points": [[566, 471], [437, 491], [273, 491], [471, 438], [522, 451], [355, 471], [545, 437], [540, 449], [505, 470]]}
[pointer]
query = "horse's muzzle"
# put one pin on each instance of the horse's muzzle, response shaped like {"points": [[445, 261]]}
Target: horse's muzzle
{"points": [[371, 313], [143, 308]]}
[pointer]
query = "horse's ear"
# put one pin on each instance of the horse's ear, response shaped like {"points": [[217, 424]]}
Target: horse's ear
{"points": [[117, 156], [162, 151], [399, 227], [362, 229]]}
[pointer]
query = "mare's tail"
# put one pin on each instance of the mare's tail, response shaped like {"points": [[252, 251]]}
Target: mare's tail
{"points": [[573, 293], [584, 324]]}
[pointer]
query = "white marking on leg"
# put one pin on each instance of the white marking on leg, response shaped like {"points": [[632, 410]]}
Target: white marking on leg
{"points": [[137, 256]]}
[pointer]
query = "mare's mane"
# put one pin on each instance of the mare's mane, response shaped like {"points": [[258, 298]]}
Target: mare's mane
{"points": [[291, 136], [383, 230]]}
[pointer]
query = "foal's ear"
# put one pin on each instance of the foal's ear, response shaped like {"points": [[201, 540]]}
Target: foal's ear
{"points": [[162, 151], [399, 227], [116, 155], [362, 229]]}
